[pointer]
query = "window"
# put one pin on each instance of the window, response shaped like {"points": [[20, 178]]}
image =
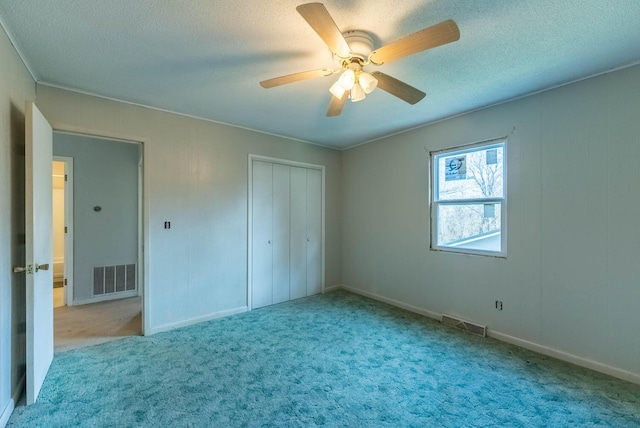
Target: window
{"points": [[468, 205]]}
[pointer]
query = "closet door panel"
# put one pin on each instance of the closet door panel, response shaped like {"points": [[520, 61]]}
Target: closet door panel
{"points": [[262, 221], [280, 242], [298, 250], [314, 231]]}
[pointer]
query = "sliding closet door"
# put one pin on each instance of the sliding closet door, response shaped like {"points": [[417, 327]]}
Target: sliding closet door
{"points": [[298, 228], [280, 242], [262, 220], [314, 231]]}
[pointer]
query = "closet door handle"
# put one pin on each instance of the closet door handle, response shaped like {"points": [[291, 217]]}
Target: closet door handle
{"points": [[269, 242], [308, 240]]}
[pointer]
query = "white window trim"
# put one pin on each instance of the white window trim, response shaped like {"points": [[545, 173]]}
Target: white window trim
{"points": [[434, 203]]}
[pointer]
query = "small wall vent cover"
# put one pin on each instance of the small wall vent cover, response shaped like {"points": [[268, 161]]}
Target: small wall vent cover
{"points": [[480, 330], [114, 279]]}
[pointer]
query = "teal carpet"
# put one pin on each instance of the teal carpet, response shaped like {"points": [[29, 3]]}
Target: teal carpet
{"points": [[336, 360]]}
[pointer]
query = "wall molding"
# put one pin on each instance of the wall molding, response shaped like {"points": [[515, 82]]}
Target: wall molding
{"points": [[8, 409], [197, 320], [107, 297], [332, 288], [190, 116], [393, 302], [6, 413], [532, 346], [565, 356]]}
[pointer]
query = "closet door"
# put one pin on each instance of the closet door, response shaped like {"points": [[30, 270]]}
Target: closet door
{"points": [[314, 231], [280, 241], [298, 228], [262, 221]]}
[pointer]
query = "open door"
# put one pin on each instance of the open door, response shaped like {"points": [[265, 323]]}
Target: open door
{"points": [[39, 257]]}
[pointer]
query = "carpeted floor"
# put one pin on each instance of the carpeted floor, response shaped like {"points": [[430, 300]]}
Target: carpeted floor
{"points": [[336, 360]]}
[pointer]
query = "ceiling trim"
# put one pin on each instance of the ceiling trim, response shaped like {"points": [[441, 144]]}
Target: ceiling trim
{"points": [[528, 94], [92, 94], [34, 75]]}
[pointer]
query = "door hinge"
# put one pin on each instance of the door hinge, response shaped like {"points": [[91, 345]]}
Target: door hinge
{"points": [[66, 177], [65, 281], [65, 229]]}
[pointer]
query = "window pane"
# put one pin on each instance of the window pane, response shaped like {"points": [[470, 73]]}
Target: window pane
{"points": [[470, 226], [470, 174]]}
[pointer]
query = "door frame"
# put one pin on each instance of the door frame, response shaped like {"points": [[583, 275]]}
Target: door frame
{"points": [[143, 205], [287, 162], [68, 223]]}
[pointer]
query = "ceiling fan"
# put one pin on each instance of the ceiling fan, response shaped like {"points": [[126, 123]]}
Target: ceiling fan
{"points": [[354, 50]]}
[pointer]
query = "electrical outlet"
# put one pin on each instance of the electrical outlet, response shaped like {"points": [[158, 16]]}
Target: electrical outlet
{"points": [[499, 305]]}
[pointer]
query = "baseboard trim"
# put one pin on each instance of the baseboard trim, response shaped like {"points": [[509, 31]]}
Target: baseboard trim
{"points": [[565, 356], [535, 347], [6, 413], [8, 409], [197, 320], [106, 298], [394, 302], [332, 288]]}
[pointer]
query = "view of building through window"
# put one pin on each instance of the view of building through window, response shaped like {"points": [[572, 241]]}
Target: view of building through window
{"points": [[469, 199]]}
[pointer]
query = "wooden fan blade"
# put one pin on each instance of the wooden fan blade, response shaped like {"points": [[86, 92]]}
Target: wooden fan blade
{"points": [[319, 19], [427, 38], [397, 88], [336, 105], [295, 77]]}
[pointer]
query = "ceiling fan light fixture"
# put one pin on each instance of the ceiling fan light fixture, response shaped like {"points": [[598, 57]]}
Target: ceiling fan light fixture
{"points": [[357, 94], [337, 90], [347, 79], [368, 82]]}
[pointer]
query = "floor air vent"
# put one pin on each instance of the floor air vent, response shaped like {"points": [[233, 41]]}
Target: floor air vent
{"points": [[480, 330], [114, 279]]}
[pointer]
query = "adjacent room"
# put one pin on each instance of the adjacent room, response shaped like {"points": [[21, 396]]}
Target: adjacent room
{"points": [[417, 213]]}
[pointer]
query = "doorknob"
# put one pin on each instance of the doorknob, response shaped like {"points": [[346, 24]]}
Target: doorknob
{"points": [[42, 267], [19, 269]]}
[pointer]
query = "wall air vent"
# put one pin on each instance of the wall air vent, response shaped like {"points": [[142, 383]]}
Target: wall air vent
{"points": [[114, 279], [480, 330]]}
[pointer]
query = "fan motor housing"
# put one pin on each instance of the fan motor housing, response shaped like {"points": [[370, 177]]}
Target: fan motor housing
{"points": [[360, 43]]}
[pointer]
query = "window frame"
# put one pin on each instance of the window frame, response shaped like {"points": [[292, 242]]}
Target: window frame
{"points": [[435, 202]]}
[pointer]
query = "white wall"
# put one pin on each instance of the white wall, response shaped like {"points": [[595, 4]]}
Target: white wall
{"points": [[571, 281], [16, 87], [105, 174], [197, 179]]}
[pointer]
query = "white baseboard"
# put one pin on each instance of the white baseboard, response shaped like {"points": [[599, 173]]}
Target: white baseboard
{"points": [[8, 409], [197, 320], [106, 297], [332, 288], [565, 356], [6, 413], [394, 302], [541, 349]]}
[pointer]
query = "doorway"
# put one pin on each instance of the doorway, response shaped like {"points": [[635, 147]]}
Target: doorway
{"points": [[62, 181], [100, 238]]}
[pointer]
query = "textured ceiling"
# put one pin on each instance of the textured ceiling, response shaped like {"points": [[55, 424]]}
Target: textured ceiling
{"points": [[206, 58]]}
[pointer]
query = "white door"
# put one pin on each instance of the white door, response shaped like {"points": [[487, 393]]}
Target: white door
{"points": [[39, 258], [314, 231], [262, 249], [298, 272], [280, 243]]}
